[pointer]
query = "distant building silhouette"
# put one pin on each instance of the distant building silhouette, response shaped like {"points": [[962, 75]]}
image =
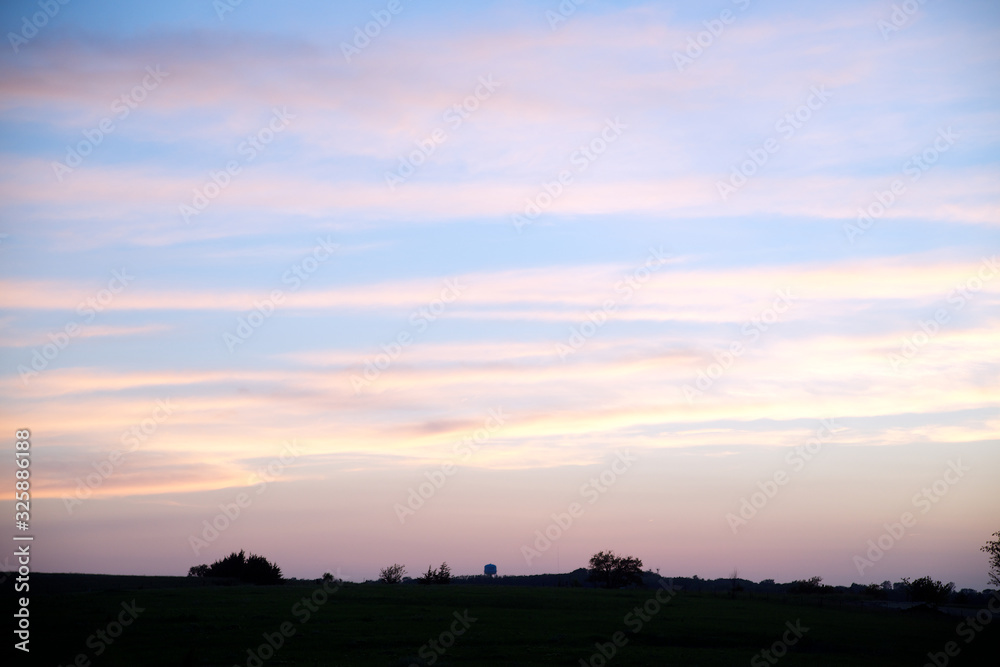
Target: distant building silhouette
{"points": [[490, 570]]}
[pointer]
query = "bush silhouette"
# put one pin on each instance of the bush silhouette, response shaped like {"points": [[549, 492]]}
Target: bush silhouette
{"points": [[252, 570], [198, 571], [811, 585], [440, 576], [613, 571], [927, 590], [392, 574]]}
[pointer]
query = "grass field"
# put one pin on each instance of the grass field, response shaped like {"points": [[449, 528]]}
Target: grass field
{"points": [[394, 625]]}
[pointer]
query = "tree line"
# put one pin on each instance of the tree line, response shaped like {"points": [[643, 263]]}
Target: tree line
{"points": [[609, 570]]}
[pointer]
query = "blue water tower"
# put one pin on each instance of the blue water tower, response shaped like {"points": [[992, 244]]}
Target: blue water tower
{"points": [[490, 570]]}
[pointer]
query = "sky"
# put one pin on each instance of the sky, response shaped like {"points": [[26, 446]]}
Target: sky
{"points": [[351, 284]]}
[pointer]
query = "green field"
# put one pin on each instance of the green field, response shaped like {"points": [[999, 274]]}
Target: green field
{"points": [[391, 625]]}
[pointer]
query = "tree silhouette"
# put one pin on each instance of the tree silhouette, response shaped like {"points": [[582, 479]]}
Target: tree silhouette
{"points": [[259, 570], [252, 570], [811, 585], [612, 571], [927, 590], [442, 575], [992, 548], [734, 581], [392, 574]]}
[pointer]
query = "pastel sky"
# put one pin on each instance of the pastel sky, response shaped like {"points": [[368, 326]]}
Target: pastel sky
{"points": [[597, 270]]}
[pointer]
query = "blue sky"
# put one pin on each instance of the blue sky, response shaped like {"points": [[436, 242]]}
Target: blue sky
{"points": [[600, 208]]}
